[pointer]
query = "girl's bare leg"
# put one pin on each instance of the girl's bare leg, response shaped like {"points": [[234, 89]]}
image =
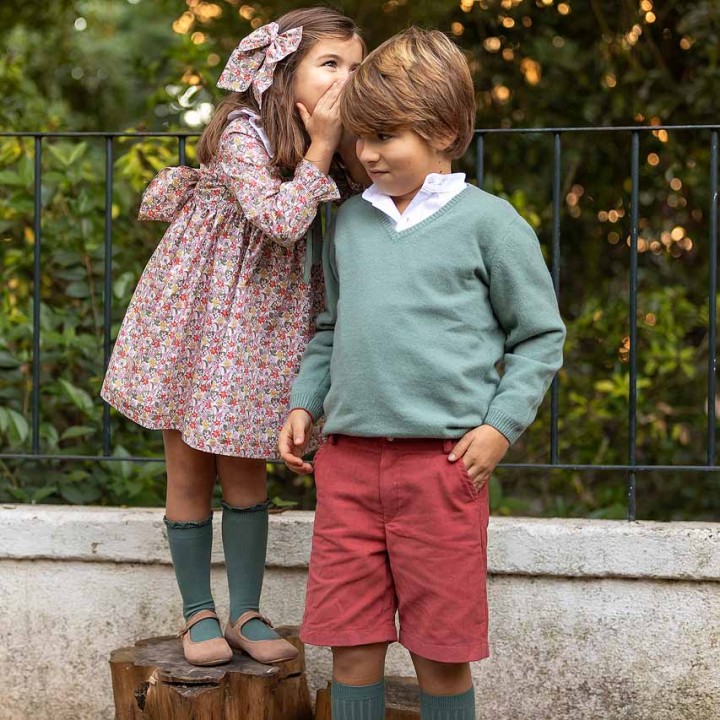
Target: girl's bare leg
{"points": [[190, 479]]}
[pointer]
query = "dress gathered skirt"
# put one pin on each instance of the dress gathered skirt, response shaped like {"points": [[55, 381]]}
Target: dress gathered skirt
{"points": [[213, 337]]}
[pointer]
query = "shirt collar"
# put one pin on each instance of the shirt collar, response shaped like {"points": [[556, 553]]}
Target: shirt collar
{"points": [[435, 184], [254, 120]]}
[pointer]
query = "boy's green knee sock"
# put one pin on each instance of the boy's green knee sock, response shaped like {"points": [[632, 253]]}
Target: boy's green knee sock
{"points": [[190, 548], [361, 702], [245, 532], [448, 707]]}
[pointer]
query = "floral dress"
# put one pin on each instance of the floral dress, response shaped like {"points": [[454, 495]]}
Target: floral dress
{"points": [[214, 334]]}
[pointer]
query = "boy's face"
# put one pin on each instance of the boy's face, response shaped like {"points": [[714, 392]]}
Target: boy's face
{"points": [[399, 162]]}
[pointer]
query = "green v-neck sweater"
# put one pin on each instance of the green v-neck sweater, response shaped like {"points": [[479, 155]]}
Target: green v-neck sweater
{"points": [[434, 330]]}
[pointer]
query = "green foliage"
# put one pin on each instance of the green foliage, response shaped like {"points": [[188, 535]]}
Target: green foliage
{"points": [[153, 65]]}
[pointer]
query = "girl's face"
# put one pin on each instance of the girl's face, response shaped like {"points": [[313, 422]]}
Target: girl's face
{"points": [[328, 61]]}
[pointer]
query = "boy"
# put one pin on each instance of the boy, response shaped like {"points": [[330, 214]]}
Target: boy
{"points": [[431, 284]]}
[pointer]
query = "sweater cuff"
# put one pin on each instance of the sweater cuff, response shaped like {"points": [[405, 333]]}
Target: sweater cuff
{"points": [[322, 187], [504, 424], [311, 404]]}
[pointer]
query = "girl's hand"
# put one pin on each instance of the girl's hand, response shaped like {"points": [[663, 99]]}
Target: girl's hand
{"points": [[293, 440], [323, 125], [481, 450]]}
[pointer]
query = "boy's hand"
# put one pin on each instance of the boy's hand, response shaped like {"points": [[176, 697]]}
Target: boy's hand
{"points": [[481, 450], [293, 440]]}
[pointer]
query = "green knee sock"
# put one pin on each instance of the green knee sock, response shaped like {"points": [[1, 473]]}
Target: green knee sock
{"points": [[190, 548], [361, 702], [448, 707], [245, 532]]}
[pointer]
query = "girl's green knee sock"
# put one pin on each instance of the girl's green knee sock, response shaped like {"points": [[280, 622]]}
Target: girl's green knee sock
{"points": [[448, 707], [245, 533], [361, 702], [190, 548]]}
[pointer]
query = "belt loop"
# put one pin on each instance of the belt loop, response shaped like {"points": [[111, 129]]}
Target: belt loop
{"points": [[448, 445], [333, 439]]}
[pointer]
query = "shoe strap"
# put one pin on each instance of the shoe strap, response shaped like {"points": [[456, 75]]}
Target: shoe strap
{"points": [[251, 615], [196, 618]]}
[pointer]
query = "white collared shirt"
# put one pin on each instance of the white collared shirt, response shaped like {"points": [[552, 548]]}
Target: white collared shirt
{"points": [[436, 191], [254, 119]]}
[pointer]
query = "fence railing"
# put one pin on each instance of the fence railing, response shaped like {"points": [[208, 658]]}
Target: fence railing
{"points": [[631, 467]]}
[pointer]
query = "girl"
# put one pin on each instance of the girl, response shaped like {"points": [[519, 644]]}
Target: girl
{"points": [[213, 336]]}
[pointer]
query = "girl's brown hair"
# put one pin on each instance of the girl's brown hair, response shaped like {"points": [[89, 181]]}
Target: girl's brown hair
{"points": [[281, 120]]}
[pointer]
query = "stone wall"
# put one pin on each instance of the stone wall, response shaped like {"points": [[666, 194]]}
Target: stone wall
{"points": [[589, 619]]}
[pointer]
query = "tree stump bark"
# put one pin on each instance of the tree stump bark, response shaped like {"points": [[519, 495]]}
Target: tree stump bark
{"points": [[152, 681], [403, 700]]}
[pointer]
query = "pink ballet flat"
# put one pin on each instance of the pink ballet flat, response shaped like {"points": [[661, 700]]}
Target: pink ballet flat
{"points": [[264, 651]]}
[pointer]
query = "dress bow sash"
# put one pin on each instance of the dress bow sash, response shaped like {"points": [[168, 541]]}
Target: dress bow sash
{"points": [[168, 193]]}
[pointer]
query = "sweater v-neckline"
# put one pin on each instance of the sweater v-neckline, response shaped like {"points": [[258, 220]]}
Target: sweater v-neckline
{"points": [[389, 224]]}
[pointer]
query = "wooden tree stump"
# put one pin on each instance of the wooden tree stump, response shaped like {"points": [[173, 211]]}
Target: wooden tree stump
{"points": [[403, 700], [152, 681]]}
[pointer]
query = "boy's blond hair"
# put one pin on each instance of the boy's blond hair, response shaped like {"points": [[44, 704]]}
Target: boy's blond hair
{"points": [[418, 80]]}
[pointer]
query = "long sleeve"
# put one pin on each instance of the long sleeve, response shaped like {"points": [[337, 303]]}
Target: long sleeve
{"points": [[523, 300], [313, 381], [283, 211]]}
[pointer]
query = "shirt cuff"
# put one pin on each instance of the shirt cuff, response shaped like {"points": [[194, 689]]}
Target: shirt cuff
{"points": [[321, 186]]}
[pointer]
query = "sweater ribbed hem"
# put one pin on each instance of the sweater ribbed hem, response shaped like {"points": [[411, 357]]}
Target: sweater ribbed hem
{"points": [[509, 427], [310, 403]]}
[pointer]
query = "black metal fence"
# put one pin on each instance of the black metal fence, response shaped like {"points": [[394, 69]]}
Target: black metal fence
{"points": [[631, 467]]}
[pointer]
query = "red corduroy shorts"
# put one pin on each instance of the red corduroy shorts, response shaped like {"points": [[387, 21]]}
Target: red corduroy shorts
{"points": [[398, 528]]}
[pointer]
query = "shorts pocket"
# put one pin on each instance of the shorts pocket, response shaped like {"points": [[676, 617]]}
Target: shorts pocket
{"points": [[323, 442], [470, 488], [318, 456]]}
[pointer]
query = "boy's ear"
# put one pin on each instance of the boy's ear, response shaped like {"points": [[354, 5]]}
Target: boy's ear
{"points": [[443, 142]]}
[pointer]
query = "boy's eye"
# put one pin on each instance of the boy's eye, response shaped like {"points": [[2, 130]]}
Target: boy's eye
{"points": [[382, 137]]}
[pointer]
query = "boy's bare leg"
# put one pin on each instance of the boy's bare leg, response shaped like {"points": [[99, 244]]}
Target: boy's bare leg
{"points": [[446, 689], [436, 678], [358, 686], [359, 665]]}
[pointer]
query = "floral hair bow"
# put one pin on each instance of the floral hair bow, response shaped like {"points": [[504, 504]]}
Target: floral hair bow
{"points": [[253, 61]]}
